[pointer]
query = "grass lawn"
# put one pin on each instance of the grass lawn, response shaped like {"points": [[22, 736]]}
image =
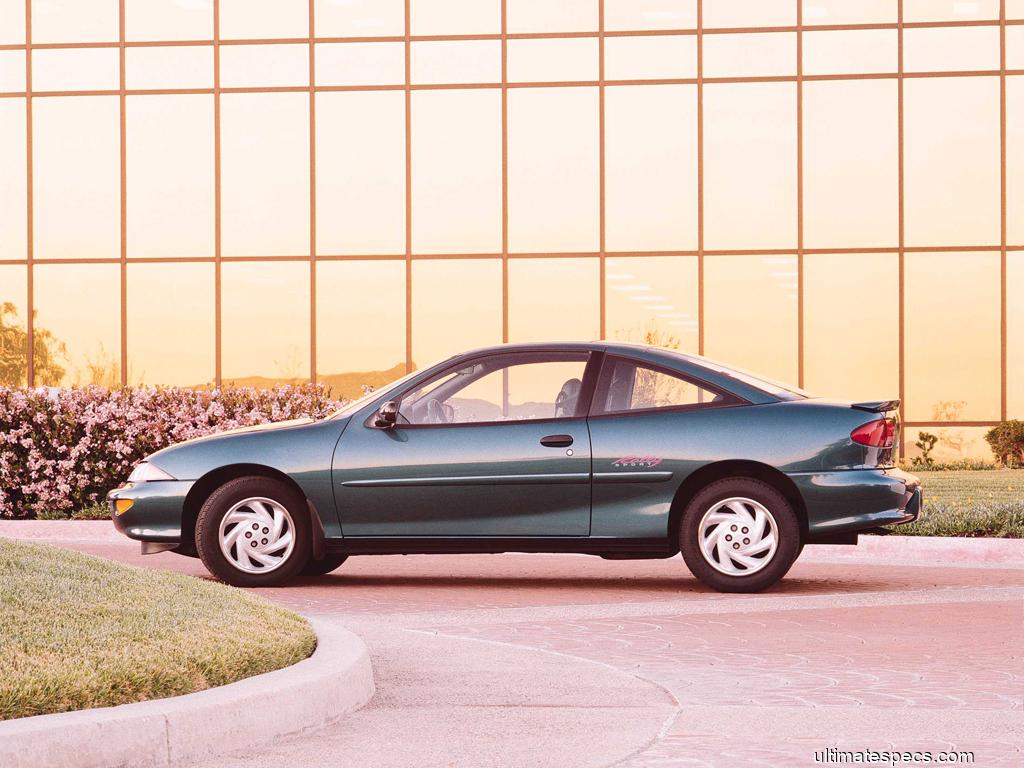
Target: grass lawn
{"points": [[970, 503], [78, 632]]}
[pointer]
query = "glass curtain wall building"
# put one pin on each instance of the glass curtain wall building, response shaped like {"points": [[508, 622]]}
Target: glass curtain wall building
{"points": [[829, 192]]}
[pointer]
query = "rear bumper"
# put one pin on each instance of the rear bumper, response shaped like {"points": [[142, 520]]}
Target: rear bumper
{"points": [[850, 501], [156, 512]]}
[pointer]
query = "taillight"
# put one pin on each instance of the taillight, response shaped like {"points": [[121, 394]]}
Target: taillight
{"points": [[880, 433]]}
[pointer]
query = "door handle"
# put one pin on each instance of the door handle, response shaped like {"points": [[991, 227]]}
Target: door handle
{"points": [[556, 441]]}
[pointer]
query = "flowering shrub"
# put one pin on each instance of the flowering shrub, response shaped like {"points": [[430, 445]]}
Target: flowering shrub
{"points": [[63, 449]]}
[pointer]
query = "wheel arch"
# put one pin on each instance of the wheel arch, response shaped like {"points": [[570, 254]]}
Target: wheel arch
{"points": [[720, 470], [212, 480]]}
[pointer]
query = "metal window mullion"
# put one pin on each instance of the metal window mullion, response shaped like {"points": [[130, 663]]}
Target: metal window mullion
{"points": [[602, 260], [700, 177], [408, 190], [799, 194], [901, 256], [312, 196], [217, 282], [124, 201], [30, 373], [504, 192], [1003, 329]]}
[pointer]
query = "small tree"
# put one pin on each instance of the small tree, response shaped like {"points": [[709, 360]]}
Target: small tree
{"points": [[925, 443], [1007, 442], [48, 350]]}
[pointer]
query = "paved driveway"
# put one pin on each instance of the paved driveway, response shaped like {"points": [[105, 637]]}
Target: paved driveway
{"points": [[521, 660]]}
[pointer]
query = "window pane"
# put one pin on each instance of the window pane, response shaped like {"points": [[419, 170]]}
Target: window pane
{"points": [[750, 165], [950, 49], [1015, 335], [14, 160], [850, 51], [264, 323], [446, 321], [951, 156], [170, 324], [652, 300], [1015, 9], [1015, 160], [79, 304], [651, 167], [252, 66], [750, 313], [360, 64], [650, 57], [12, 22], [650, 14], [359, 18], [75, 69], [949, 10], [350, 297], [263, 19], [461, 61], [851, 332], [265, 174], [851, 164], [75, 21], [455, 17], [553, 300], [12, 72], [360, 179], [754, 54], [169, 159], [952, 336], [545, 16], [954, 443], [553, 60], [456, 171], [168, 20], [749, 13], [849, 12], [76, 177], [166, 66], [1015, 47], [553, 169], [14, 331], [626, 386]]}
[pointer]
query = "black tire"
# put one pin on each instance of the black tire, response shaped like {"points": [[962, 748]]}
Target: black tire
{"points": [[221, 501], [316, 568], [763, 575]]}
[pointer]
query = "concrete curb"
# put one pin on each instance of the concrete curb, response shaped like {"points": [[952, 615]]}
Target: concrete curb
{"points": [[97, 531], [923, 550], [334, 681]]}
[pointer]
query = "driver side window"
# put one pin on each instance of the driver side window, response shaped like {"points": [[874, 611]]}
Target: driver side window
{"points": [[500, 388]]}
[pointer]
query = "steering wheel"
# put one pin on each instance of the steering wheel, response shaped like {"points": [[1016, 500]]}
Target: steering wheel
{"points": [[436, 413]]}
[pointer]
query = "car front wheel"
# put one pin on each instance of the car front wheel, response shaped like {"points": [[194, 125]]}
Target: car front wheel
{"points": [[739, 535], [254, 532]]}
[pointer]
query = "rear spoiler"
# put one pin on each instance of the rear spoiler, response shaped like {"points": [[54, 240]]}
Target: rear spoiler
{"points": [[877, 406]]}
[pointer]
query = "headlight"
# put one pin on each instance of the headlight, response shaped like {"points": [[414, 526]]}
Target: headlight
{"points": [[146, 472]]}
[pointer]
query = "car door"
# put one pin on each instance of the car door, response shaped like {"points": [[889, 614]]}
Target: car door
{"points": [[496, 446]]}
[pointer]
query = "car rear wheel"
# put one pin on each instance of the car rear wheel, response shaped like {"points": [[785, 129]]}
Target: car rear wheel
{"points": [[254, 532], [739, 535], [323, 567]]}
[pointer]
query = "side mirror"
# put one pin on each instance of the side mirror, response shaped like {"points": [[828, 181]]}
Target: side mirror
{"points": [[387, 416]]}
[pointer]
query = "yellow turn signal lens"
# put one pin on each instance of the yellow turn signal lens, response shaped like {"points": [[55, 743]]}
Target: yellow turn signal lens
{"points": [[123, 505]]}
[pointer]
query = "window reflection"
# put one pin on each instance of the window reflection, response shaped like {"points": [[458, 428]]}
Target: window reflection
{"points": [[168, 20], [360, 180], [954, 443], [949, 10], [553, 169], [455, 17], [12, 72], [1014, 160], [456, 171], [545, 16], [74, 21], [456, 306], [552, 299], [261, 66], [749, 13], [1015, 335], [265, 174], [750, 313], [652, 300], [75, 69], [952, 336], [360, 63], [650, 57], [169, 153], [13, 236], [650, 14], [14, 330], [170, 324], [950, 49], [651, 167], [851, 164], [747, 55], [553, 60], [851, 333], [849, 12], [76, 177], [348, 294], [850, 51], [265, 323], [750, 165], [169, 66], [460, 61], [12, 22], [261, 19], [359, 18], [951, 156], [79, 305]]}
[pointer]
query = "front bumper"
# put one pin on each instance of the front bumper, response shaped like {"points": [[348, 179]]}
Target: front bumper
{"points": [[852, 501], [156, 513]]}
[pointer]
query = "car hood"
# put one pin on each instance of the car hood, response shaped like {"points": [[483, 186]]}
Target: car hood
{"points": [[275, 426]]}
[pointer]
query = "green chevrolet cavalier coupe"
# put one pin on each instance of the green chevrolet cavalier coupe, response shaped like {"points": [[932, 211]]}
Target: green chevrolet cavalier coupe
{"points": [[609, 449]]}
